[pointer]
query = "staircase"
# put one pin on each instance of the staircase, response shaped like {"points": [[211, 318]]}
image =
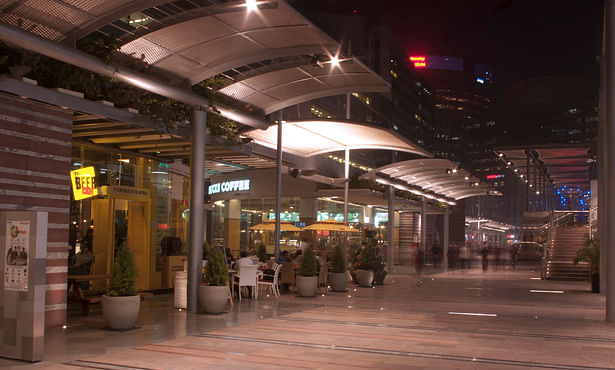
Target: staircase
{"points": [[566, 240]]}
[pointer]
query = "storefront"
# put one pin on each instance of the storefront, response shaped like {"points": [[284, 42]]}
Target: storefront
{"points": [[140, 202], [243, 199]]}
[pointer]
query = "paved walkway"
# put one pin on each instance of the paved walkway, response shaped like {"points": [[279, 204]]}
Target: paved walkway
{"points": [[455, 320]]}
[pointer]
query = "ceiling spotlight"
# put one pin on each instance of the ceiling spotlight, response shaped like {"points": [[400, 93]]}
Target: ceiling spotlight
{"points": [[335, 61], [521, 176], [508, 163], [501, 155], [531, 186], [537, 192], [516, 170], [466, 178], [251, 5]]}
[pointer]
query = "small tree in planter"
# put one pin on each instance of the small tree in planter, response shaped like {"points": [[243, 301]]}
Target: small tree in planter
{"points": [[307, 281], [591, 254], [365, 266], [213, 293], [121, 304], [339, 277]]}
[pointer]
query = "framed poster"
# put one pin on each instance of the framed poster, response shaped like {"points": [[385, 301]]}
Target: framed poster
{"points": [[16, 255]]}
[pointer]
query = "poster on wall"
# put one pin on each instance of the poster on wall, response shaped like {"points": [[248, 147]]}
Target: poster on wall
{"points": [[16, 255]]}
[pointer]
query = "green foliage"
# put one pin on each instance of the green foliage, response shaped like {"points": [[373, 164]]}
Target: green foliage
{"points": [[216, 273], [165, 112], [367, 257], [206, 250], [124, 274], [337, 260], [261, 252], [591, 254], [309, 265]]}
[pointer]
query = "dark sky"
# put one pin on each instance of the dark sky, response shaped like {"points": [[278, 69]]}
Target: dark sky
{"points": [[517, 38]]}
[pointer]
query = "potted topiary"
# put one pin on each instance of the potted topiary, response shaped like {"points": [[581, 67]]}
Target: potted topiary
{"points": [[365, 266], [379, 272], [591, 254], [339, 276], [307, 281], [213, 293], [120, 306]]}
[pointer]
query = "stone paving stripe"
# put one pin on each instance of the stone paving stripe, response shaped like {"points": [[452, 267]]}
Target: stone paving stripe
{"points": [[102, 365], [482, 360], [449, 330]]}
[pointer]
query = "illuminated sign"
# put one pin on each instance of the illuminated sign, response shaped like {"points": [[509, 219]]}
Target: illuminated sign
{"points": [[228, 186], [84, 183], [480, 80], [418, 61], [493, 177]]}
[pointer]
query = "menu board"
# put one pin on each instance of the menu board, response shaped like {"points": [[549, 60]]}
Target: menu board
{"points": [[16, 255]]}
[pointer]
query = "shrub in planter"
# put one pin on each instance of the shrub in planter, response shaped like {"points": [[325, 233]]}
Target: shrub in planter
{"points": [[365, 265], [121, 304], [591, 254], [213, 293], [339, 277], [307, 281]]}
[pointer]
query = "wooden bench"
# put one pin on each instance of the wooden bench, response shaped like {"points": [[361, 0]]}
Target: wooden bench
{"points": [[78, 296]]}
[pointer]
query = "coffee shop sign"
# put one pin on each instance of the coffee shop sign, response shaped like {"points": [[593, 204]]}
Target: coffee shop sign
{"points": [[228, 186]]}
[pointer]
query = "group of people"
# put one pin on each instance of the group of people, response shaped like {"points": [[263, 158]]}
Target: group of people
{"points": [[460, 256], [17, 256]]}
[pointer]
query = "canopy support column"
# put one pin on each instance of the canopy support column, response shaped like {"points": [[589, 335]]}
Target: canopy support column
{"points": [[391, 229], [445, 247], [278, 187], [197, 199], [346, 185], [609, 51], [423, 224]]}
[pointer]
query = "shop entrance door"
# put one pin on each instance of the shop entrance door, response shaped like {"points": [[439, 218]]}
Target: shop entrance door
{"points": [[131, 228]]}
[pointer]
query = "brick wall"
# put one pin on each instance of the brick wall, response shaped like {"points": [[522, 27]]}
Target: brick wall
{"points": [[35, 154]]}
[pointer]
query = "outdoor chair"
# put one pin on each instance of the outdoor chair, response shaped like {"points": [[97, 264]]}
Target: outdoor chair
{"points": [[272, 284], [247, 278], [287, 275]]}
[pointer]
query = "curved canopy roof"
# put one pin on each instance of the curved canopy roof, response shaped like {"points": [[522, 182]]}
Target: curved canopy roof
{"points": [[308, 138], [273, 55], [439, 177]]}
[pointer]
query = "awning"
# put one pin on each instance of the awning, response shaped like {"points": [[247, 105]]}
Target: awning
{"points": [[309, 138], [432, 178], [564, 165]]}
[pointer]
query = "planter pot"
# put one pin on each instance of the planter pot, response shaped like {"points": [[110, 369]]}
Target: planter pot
{"points": [[121, 313], [306, 285], [213, 298], [339, 280], [365, 277], [595, 283], [379, 277]]}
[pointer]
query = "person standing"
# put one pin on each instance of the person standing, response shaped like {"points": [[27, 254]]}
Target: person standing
{"points": [[464, 257], [419, 264], [514, 252], [485, 255]]}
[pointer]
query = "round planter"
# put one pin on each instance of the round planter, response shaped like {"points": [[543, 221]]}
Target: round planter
{"points": [[121, 313], [339, 281], [365, 277], [306, 285], [213, 298]]}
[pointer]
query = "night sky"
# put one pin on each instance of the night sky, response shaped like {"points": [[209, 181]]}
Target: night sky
{"points": [[517, 38]]}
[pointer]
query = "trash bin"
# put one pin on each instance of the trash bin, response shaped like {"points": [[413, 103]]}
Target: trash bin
{"points": [[181, 290]]}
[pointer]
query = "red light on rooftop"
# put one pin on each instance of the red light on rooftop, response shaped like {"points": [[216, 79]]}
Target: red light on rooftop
{"points": [[417, 59], [420, 64]]}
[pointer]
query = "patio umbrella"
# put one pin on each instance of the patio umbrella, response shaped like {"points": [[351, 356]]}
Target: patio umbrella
{"points": [[330, 225], [270, 226]]}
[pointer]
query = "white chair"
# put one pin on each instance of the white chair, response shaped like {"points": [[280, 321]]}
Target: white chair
{"points": [[246, 276], [273, 285]]}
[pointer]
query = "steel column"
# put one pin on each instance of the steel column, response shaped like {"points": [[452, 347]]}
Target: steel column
{"points": [[391, 229], [446, 236], [197, 199], [278, 187]]}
